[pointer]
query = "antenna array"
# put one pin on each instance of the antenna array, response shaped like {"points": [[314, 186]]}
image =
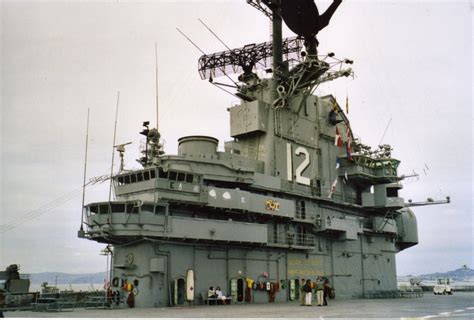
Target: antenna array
{"points": [[244, 59]]}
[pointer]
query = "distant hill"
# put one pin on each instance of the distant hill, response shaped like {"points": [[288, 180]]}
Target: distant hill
{"points": [[461, 274], [67, 278]]}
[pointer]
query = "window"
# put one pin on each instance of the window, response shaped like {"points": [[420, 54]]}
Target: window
{"points": [[133, 178], [392, 192], [147, 208], [189, 178], [131, 208], [181, 176], [318, 188], [162, 174], [94, 209], [301, 209], [139, 177], [146, 175], [172, 175], [160, 209], [120, 181], [126, 179], [104, 208], [118, 207], [152, 174]]}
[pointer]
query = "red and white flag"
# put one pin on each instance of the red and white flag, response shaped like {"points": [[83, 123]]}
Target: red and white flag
{"points": [[349, 142], [333, 188], [338, 139]]}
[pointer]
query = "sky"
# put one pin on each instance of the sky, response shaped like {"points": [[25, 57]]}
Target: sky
{"points": [[413, 78]]}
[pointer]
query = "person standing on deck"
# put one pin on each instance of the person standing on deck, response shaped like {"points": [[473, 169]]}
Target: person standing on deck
{"points": [[319, 291], [327, 291], [308, 296], [302, 293]]}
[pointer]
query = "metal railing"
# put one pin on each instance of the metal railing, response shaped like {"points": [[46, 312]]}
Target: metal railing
{"points": [[292, 239]]}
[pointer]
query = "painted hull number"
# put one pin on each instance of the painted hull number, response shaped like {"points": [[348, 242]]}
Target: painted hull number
{"points": [[301, 168]]}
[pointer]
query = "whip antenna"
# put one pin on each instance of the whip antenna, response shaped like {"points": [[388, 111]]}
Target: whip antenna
{"points": [[81, 230]]}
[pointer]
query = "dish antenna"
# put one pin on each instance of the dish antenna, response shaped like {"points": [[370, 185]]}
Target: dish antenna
{"points": [[301, 16]]}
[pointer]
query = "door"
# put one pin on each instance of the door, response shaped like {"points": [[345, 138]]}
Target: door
{"points": [[179, 291], [240, 289], [292, 290]]}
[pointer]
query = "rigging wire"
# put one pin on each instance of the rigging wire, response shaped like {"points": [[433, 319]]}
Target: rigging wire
{"points": [[385, 131], [50, 205], [215, 35], [195, 45]]}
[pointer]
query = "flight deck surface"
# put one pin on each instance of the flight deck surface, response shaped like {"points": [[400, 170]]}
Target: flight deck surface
{"points": [[458, 306]]}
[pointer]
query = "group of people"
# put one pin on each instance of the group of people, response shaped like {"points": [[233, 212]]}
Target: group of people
{"points": [[321, 288], [216, 294]]}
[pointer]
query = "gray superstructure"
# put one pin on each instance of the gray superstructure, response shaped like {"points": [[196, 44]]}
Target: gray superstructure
{"points": [[269, 210]]}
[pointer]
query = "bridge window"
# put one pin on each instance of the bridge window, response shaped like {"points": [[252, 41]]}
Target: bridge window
{"points": [[181, 176], [152, 174], [189, 178], [126, 179], [133, 178], [160, 210], [131, 208], [139, 177], [118, 207], [104, 208], [120, 181], [172, 175], [162, 174], [146, 175], [94, 209], [147, 208]]}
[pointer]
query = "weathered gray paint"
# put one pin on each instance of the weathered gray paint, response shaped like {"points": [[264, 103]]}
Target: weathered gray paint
{"points": [[260, 210]]}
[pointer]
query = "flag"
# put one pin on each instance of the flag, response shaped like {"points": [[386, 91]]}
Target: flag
{"points": [[349, 142], [348, 131], [349, 150], [338, 139], [338, 163], [333, 189], [347, 104]]}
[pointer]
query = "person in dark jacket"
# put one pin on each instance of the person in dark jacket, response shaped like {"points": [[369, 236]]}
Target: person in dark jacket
{"points": [[302, 293], [327, 292], [307, 290]]}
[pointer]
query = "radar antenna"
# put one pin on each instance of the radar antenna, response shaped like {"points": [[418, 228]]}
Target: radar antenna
{"points": [[301, 16], [121, 150], [246, 58]]}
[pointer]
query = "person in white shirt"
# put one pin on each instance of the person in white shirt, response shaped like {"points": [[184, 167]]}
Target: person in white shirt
{"points": [[220, 295]]}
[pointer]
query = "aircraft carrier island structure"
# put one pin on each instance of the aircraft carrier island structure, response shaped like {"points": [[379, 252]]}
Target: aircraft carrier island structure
{"points": [[293, 196]]}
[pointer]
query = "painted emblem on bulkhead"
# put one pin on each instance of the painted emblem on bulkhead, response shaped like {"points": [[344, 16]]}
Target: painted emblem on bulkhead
{"points": [[272, 205]]}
